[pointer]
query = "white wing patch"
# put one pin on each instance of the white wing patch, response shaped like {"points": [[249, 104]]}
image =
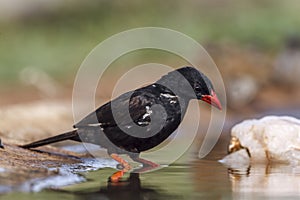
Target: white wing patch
{"points": [[95, 125], [148, 112], [144, 120], [168, 95], [172, 98]]}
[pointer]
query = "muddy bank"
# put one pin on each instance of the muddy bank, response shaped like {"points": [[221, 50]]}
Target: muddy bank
{"points": [[33, 170]]}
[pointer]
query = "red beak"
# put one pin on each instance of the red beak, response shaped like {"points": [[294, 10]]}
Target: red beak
{"points": [[212, 100]]}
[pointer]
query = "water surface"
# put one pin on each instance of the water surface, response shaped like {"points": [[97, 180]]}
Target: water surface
{"points": [[198, 179]]}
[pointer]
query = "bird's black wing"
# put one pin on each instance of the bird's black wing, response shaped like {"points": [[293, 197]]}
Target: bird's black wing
{"points": [[132, 106], [135, 121]]}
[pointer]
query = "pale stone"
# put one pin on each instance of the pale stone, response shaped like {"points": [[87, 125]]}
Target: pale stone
{"points": [[270, 139]]}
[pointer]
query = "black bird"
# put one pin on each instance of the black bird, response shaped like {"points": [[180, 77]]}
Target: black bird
{"points": [[141, 119]]}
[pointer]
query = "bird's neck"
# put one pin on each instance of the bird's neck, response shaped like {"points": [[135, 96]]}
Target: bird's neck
{"points": [[184, 102]]}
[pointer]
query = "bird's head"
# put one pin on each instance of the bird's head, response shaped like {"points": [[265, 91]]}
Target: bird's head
{"points": [[202, 86]]}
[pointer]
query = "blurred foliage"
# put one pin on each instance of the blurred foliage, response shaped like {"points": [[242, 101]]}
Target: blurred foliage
{"points": [[57, 40]]}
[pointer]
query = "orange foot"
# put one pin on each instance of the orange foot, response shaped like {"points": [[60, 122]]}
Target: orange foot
{"points": [[116, 176], [119, 174]]}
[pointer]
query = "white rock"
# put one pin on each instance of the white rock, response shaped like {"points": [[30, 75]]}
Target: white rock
{"points": [[270, 139]]}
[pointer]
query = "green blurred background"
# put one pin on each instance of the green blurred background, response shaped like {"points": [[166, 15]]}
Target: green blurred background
{"points": [[55, 36]]}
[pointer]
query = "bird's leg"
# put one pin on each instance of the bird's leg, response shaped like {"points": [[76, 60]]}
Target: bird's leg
{"points": [[145, 162], [120, 160], [119, 174], [147, 165]]}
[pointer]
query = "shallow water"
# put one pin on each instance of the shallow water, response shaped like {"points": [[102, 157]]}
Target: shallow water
{"points": [[198, 179]]}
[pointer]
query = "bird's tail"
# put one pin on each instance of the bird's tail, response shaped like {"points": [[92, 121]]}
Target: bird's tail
{"points": [[71, 135]]}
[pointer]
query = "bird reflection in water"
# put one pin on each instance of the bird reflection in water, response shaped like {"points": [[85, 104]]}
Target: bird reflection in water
{"points": [[147, 167], [130, 188]]}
